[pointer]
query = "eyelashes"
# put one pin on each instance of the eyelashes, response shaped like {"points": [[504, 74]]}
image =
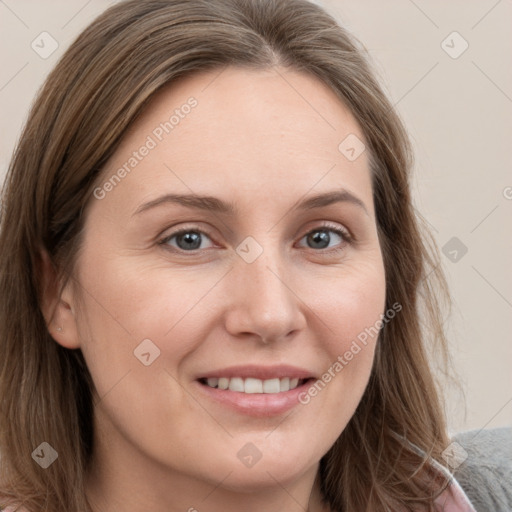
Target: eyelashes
{"points": [[194, 236], [181, 233]]}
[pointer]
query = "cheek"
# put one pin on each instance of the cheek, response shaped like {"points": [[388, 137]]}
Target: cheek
{"points": [[349, 314], [351, 305], [129, 312], [138, 301]]}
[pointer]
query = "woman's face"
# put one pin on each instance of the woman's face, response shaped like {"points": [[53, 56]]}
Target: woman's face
{"points": [[206, 256]]}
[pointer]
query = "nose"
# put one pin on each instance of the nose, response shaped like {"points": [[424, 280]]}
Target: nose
{"points": [[263, 303]]}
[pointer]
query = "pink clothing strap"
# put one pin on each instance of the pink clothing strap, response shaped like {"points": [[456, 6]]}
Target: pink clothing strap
{"points": [[453, 499]]}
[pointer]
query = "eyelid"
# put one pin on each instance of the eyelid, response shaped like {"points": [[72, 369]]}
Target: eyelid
{"points": [[341, 230], [347, 238], [185, 229]]}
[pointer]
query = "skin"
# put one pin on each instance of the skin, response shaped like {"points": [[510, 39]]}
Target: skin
{"points": [[263, 140]]}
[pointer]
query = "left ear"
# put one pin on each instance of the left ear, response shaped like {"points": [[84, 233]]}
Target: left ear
{"points": [[56, 304]]}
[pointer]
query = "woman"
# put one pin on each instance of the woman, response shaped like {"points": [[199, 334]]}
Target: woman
{"points": [[213, 276]]}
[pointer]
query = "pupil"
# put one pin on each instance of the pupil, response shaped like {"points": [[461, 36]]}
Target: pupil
{"points": [[320, 237], [190, 238]]}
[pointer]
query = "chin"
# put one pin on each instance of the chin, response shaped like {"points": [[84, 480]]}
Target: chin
{"points": [[259, 463], [265, 474]]}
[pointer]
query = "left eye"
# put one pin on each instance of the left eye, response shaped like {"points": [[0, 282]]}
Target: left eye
{"points": [[190, 239], [320, 237]]}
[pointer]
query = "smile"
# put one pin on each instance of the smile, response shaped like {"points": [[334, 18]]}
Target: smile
{"points": [[255, 390], [252, 385]]}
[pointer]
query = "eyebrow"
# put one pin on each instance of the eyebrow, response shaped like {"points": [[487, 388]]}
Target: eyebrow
{"points": [[214, 204]]}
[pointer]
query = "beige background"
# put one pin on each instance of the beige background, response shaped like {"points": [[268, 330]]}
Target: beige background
{"points": [[458, 112]]}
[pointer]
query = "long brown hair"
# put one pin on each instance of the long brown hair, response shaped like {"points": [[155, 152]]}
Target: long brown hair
{"points": [[96, 91]]}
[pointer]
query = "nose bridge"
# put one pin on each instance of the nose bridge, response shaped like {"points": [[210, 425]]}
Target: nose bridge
{"points": [[265, 274], [263, 302]]}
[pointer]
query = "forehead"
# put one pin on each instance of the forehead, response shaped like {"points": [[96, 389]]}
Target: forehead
{"points": [[277, 131]]}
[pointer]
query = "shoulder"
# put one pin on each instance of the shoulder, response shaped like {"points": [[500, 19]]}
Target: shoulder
{"points": [[485, 472], [453, 498]]}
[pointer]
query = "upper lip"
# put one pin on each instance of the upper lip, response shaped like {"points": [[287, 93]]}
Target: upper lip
{"points": [[260, 372]]}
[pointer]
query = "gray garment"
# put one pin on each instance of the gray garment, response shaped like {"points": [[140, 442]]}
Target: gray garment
{"points": [[486, 473]]}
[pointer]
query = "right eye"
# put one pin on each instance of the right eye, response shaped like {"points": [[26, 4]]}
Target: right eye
{"points": [[185, 239]]}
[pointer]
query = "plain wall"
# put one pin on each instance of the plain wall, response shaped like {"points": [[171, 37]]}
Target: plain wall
{"points": [[457, 107]]}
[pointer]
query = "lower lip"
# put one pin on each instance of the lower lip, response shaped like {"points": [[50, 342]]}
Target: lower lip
{"points": [[256, 404]]}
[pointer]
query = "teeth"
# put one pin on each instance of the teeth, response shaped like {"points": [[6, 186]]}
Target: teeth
{"points": [[236, 384], [271, 386], [251, 385], [213, 382]]}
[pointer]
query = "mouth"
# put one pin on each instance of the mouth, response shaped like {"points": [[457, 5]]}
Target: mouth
{"points": [[251, 385], [255, 390]]}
